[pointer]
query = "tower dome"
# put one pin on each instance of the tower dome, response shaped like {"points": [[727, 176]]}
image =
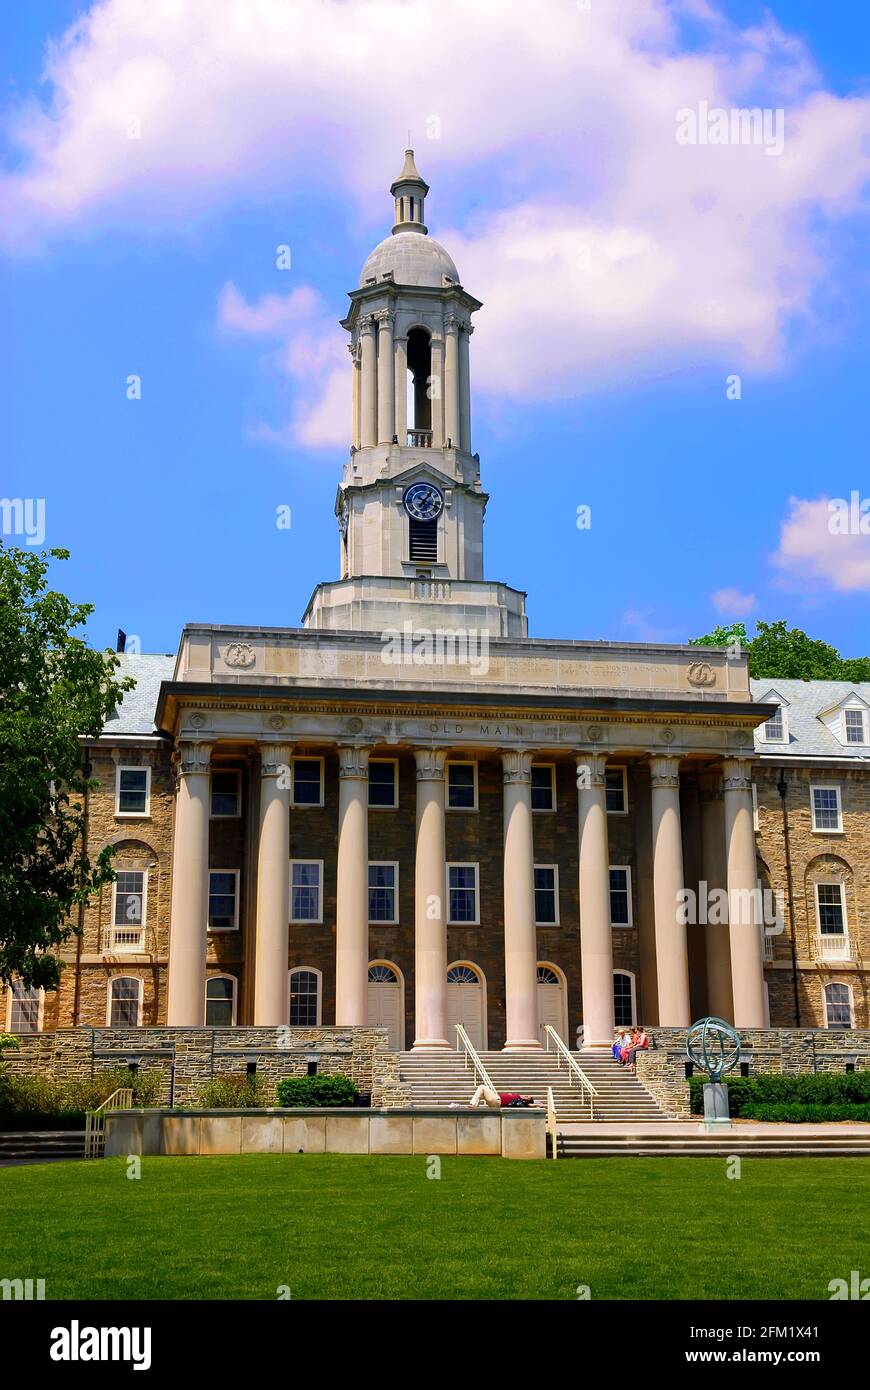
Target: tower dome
{"points": [[409, 254]]}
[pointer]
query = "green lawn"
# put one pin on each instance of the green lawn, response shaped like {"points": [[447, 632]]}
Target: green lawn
{"points": [[330, 1226]]}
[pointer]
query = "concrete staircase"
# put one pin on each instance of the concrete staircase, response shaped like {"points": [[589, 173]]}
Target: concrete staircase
{"points": [[441, 1078], [41, 1145], [687, 1140]]}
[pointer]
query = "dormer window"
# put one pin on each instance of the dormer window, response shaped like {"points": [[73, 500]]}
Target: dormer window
{"points": [[854, 726], [774, 728]]}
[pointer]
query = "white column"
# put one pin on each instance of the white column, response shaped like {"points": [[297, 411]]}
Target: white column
{"points": [[401, 389], [672, 960], [436, 391], [465, 389], [520, 937], [271, 978], [747, 965], [386, 376], [352, 898], [714, 872], [451, 380], [596, 945], [355, 356], [430, 915], [368, 385], [189, 910]]}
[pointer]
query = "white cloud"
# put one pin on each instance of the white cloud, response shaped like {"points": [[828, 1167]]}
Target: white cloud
{"points": [[603, 250], [812, 552], [639, 625], [731, 603]]}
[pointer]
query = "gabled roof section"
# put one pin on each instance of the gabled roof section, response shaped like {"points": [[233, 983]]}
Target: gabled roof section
{"points": [[809, 703]]}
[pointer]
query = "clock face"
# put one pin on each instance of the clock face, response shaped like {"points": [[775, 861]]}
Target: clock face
{"points": [[423, 501]]}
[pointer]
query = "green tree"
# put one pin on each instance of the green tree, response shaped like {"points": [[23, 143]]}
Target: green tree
{"points": [[54, 689], [780, 652]]}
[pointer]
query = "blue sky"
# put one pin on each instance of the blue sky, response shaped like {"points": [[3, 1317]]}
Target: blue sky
{"points": [[611, 395]]}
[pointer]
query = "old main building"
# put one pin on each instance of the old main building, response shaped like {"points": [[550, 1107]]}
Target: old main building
{"points": [[407, 812]]}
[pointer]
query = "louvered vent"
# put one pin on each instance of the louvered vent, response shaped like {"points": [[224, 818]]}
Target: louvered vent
{"points": [[423, 541]]}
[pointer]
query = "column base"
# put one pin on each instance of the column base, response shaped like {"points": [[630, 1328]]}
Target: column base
{"points": [[430, 1045], [596, 1045], [522, 1045]]}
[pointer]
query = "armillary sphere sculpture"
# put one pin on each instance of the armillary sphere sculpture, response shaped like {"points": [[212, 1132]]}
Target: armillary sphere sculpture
{"points": [[714, 1046]]}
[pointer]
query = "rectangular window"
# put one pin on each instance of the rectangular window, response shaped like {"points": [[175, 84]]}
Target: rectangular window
{"points": [[25, 1009], [854, 721], [220, 1002], [307, 781], [129, 909], [383, 894], [830, 909], [462, 786], [543, 787], [616, 790], [383, 783], [462, 894], [838, 1006], [225, 798], [546, 895], [620, 895], [125, 999], [826, 808], [773, 731], [133, 791], [223, 899], [306, 880]]}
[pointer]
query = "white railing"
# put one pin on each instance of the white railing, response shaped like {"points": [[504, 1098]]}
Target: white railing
{"points": [[767, 951], [95, 1121], [471, 1056], [419, 439], [835, 946], [551, 1124], [118, 940], [576, 1074]]}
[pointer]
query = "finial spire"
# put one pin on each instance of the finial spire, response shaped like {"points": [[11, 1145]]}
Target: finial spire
{"points": [[409, 191]]}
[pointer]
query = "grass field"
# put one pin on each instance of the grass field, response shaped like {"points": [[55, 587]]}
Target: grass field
{"points": [[330, 1226]]}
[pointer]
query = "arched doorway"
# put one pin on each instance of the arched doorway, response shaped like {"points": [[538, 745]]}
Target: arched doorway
{"points": [[466, 1003], [386, 1007], [552, 1001]]}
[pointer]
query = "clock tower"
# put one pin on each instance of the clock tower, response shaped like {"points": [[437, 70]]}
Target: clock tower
{"points": [[410, 504]]}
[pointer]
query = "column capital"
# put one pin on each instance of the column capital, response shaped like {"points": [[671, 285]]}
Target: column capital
{"points": [[383, 317], [452, 323], [591, 764], [430, 764], [275, 758], [192, 758], [516, 764], [367, 324], [665, 771], [736, 775], [353, 762]]}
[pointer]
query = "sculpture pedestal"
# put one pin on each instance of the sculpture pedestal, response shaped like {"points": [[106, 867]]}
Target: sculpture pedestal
{"points": [[716, 1112]]}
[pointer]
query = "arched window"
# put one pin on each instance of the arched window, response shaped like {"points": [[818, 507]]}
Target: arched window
{"points": [[24, 1009], [125, 1002], [462, 975], [838, 1006], [623, 998], [419, 384], [382, 975], [304, 997], [546, 976], [220, 1001]]}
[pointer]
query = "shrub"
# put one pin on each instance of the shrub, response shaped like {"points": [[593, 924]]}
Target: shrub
{"points": [[235, 1093], [822, 1088], [44, 1102], [797, 1114], [317, 1090]]}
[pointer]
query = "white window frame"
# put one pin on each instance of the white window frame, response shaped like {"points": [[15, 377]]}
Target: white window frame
{"points": [[854, 743], [826, 787], [311, 970], [40, 1014], [832, 883], [235, 984], [225, 772], [626, 869], [463, 864], [394, 805], [631, 976], [132, 815], [394, 865], [844, 984], [618, 767], [556, 921], [139, 1002], [783, 719], [460, 762], [115, 926], [236, 874], [307, 805], [307, 921], [551, 809]]}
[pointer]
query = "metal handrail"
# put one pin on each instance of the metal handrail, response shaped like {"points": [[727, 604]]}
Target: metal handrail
{"points": [[575, 1071], [479, 1068], [551, 1123], [95, 1120]]}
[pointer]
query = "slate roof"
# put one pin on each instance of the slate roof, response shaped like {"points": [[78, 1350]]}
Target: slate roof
{"points": [[135, 714], [808, 736]]}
